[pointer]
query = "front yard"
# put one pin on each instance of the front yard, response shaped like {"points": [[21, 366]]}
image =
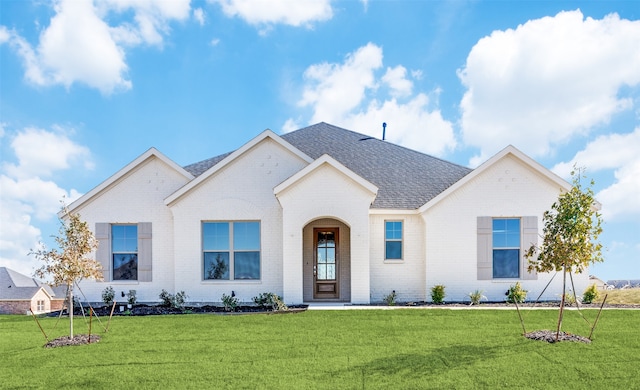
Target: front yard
{"points": [[406, 348]]}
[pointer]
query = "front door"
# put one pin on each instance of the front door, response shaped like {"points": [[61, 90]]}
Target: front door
{"points": [[325, 263]]}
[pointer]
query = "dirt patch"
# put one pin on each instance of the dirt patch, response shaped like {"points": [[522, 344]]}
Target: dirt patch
{"points": [[79, 339], [550, 336]]}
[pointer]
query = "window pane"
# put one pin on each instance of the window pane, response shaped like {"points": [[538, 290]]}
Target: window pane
{"points": [[322, 272], [322, 255], [125, 266], [246, 236], [331, 271], [506, 263], [216, 265], [124, 238], [246, 265], [393, 250], [393, 230], [506, 233], [215, 236]]}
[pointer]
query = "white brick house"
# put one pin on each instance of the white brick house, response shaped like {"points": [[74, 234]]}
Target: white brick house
{"points": [[320, 214]]}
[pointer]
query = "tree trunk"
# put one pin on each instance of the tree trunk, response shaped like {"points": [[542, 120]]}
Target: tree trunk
{"points": [[564, 292], [70, 289]]}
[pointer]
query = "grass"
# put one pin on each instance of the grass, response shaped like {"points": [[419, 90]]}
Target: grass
{"points": [[352, 349], [620, 296]]}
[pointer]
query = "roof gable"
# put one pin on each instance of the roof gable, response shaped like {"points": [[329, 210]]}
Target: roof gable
{"points": [[508, 151], [324, 160], [151, 153], [222, 161]]}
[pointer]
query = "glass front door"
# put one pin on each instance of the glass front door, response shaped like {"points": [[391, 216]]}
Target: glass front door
{"points": [[325, 264]]}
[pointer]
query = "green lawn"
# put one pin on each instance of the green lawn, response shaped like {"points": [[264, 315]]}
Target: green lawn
{"points": [[351, 349]]}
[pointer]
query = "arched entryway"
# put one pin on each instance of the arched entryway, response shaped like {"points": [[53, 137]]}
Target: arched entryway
{"points": [[326, 261]]}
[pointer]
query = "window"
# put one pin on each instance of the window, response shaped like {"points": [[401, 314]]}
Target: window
{"points": [[112, 238], [39, 305], [393, 240], [501, 243], [124, 251], [506, 248], [231, 250]]}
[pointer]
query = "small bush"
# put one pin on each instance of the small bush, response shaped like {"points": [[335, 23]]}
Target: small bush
{"points": [[169, 300], [230, 302], [270, 301], [590, 294], [437, 294], [570, 299], [516, 294], [131, 297], [107, 295], [390, 299], [476, 297]]}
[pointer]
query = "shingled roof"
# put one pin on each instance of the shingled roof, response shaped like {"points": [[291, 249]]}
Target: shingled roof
{"points": [[16, 286], [406, 179]]}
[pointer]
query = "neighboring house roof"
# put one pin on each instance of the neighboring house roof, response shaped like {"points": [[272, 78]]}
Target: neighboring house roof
{"points": [[624, 283], [405, 179], [16, 286]]}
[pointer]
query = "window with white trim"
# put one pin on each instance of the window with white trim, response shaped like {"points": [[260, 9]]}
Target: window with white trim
{"points": [[231, 250], [124, 252], [501, 243], [393, 240], [506, 248], [113, 239], [40, 305]]}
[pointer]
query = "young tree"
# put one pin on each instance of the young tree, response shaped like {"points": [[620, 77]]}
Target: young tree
{"points": [[70, 264], [570, 241]]}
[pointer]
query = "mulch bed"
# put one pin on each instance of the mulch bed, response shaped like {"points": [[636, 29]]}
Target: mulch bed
{"points": [[148, 310], [78, 339], [550, 336]]}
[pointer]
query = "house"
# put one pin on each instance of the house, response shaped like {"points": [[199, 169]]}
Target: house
{"points": [[600, 284], [19, 294], [321, 214]]}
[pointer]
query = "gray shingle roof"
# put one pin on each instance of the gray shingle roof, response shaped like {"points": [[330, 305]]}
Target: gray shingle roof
{"points": [[406, 179], [16, 286]]}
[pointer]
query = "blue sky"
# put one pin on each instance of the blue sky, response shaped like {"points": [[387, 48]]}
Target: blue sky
{"points": [[87, 86]]}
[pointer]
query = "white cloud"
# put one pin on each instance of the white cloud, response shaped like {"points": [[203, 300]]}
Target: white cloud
{"points": [[333, 90], [41, 152], [79, 46], [397, 80], [198, 15], [26, 196], [4, 35], [346, 95], [618, 152], [547, 81], [289, 12]]}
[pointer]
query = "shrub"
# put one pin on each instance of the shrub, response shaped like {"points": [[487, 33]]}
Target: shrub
{"points": [[269, 301], [390, 299], [107, 295], [516, 294], [230, 302], [169, 300], [131, 297], [437, 294], [590, 294], [476, 297]]}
